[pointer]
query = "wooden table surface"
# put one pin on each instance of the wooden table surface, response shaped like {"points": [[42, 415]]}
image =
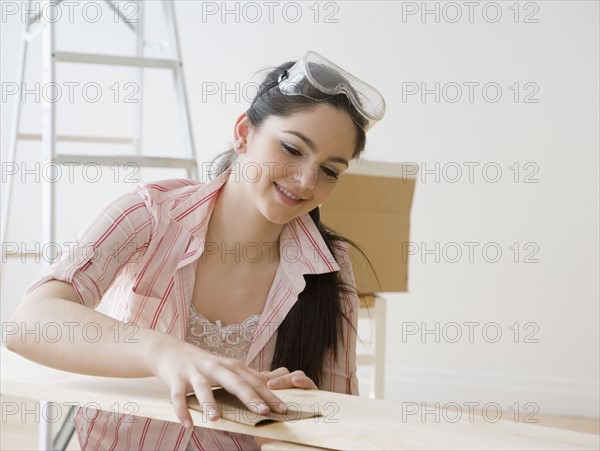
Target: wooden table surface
{"points": [[348, 422]]}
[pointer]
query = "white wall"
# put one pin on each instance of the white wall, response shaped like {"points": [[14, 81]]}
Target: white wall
{"points": [[554, 140]]}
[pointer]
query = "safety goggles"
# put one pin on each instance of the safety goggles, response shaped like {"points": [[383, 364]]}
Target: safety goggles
{"points": [[315, 77]]}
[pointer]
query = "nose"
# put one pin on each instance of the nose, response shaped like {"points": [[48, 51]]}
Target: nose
{"points": [[307, 176]]}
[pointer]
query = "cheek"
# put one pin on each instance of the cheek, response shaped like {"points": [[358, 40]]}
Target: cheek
{"points": [[276, 166], [324, 191]]}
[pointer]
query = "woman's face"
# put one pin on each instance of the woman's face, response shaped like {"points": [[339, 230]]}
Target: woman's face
{"points": [[290, 165]]}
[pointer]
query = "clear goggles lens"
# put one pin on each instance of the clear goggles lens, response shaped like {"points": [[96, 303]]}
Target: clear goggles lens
{"points": [[316, 77]]}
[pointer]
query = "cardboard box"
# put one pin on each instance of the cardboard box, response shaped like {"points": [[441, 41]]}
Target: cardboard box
{"points": [[371, 206]]}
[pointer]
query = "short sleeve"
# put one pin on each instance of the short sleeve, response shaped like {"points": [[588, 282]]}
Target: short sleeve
{"points": [[116, 235], [340, 376]]}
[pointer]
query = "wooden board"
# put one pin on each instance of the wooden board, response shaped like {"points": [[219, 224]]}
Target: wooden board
{"points": [[348, 422]]}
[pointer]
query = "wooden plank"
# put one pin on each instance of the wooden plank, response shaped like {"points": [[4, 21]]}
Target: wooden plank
{"points": [[348, 422]]}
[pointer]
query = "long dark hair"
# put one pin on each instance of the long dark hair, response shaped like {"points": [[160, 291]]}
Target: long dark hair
{"points": [[314, 325]]}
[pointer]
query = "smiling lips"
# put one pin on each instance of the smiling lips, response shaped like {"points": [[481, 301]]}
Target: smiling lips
{"points": [[287, 196]]}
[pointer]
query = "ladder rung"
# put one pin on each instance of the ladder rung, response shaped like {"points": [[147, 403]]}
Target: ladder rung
{"points": [[115, 60], [108, 160], [78, 138]]}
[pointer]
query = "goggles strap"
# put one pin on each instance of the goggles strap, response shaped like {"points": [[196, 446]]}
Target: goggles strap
{"points": [[283, 75]]}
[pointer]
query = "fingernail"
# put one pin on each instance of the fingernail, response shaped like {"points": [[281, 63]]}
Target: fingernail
{"points": [[273, 383], [283, 407], [263, 408], [187, 424]]}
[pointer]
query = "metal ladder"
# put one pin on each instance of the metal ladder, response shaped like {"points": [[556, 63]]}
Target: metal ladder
{"points": [[51, 56]]}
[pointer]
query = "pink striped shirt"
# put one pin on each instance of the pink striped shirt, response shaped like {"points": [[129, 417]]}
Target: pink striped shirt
{"points": [[140, 252]]}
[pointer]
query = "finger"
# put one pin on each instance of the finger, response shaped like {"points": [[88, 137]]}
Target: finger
{"points": [[292, 381], [178, 399], [304, 382], [232, 377], [281, 383], [279, 372], [285, 381], [248, 396], [206, 399], [275, 373], [255, 395], [255, 373], [273, 401]]}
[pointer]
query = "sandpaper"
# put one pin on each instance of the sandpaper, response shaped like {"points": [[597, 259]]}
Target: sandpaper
{"points": [[231, 408]]}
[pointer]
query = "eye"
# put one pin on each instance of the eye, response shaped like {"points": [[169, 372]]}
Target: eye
{"points": [[331, 173], [290, 150], [328, 172]]}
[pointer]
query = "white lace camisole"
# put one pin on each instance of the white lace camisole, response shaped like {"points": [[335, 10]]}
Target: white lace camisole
{"points": [[231, 341]]}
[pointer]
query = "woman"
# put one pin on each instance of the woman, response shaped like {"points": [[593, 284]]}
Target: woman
{"points": [[234, 282]]}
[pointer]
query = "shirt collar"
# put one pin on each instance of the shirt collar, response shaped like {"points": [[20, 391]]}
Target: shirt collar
{"points": [[302, 248]]}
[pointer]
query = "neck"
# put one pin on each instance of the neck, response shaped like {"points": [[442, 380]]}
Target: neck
{"points": [[239, 230]]}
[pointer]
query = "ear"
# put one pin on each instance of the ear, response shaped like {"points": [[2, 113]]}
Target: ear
{"points": [[242, 131]]}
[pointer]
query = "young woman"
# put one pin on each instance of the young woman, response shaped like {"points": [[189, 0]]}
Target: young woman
{"points": [[234, 282]]}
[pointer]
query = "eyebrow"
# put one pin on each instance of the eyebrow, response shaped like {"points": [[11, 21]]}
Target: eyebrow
{"points": [[312, 146]]}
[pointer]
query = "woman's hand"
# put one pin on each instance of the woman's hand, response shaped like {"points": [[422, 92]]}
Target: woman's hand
{"points": [[186, 368], [282, 378]]}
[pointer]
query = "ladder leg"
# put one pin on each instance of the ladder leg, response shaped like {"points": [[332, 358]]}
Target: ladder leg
{"points": [[139, 51], [49, 139], [66, 431], [180, 89], [48, 187], [12, 150]]}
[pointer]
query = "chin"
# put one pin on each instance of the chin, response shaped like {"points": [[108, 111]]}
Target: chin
{"points": [[277, 217]]}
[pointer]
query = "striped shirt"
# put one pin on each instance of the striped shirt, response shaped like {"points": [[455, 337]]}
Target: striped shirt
{"points": [[140, 252]]}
